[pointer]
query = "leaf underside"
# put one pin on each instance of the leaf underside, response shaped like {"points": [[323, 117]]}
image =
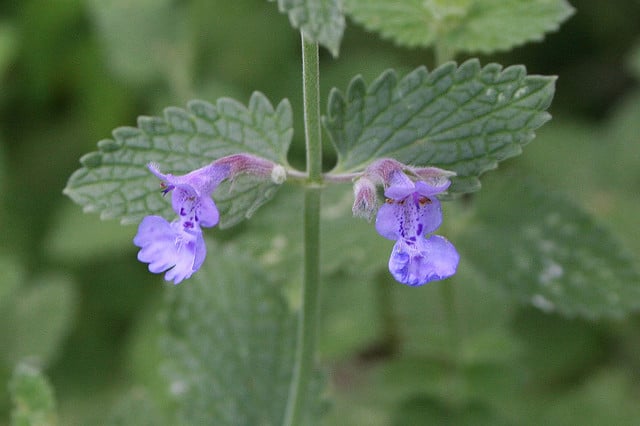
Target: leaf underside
{"points": [[116, 183], [321, 21], [473, 26], [465, 119]]}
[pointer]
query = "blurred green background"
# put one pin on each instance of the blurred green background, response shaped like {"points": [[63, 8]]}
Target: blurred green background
{"points": [[73, 70]]}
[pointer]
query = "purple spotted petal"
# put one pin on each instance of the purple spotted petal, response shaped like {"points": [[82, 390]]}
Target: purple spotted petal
{"points": [[414, 216], [417, 263], [169, 247], [429, 215]]}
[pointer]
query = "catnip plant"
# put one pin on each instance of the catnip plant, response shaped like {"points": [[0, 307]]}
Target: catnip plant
{"points": [[242, 345]]}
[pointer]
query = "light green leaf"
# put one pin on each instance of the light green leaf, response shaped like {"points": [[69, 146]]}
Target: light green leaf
{"points": [[321, 21], [461, 25], [115, 181], [141, 38], [465, 119], [230, 343], [545, 251], [34, 323], [33, 400]]}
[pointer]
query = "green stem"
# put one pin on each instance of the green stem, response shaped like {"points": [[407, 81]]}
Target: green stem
{"points": [[305, 354], [311, 96]]}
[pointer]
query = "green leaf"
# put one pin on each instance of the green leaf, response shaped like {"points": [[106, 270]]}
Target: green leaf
{"points": [[465, 119], [230, 343], [37, 319], [32, 396], [545, 251], [321, 21], [115, 181], [471, 26]]}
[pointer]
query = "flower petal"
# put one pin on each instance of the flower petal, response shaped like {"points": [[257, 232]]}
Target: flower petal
{"points": [[208, 213], [387, 221], [429, 215], [169, 247], [423, 261], [400, 186], [428, 189]]}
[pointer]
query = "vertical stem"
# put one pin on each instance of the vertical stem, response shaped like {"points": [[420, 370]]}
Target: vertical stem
{"points": [[304, 361], [311, 94]]}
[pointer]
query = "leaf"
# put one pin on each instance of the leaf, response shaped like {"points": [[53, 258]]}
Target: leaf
{"points": [[482, 26], [32, 396], [547, 252], [37, 319], [465, 119], [321, 21], [115, 181], [229, 348]]}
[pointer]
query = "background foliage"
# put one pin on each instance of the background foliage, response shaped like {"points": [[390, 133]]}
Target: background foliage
{"points": [[75, 304]]}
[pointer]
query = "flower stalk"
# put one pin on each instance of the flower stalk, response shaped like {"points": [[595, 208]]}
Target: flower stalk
{"points": [[305, 354]]}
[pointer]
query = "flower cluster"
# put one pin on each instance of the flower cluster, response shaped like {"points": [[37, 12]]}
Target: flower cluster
{"points": [[178, 247], [411, 212]]}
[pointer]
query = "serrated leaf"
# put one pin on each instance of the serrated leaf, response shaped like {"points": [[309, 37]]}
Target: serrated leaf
{"points": [[465, 119], [115, 181], [482, 26], [230, 344], [321, 21], [35, 322], [32, 397], [545, 251]]}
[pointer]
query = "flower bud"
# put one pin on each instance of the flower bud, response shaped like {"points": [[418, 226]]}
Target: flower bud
{"points": [[366, 200], [250, 164]]}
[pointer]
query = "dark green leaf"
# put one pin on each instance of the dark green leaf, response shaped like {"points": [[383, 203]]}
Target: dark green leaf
{"points": [[115, 181], [465, 119]]}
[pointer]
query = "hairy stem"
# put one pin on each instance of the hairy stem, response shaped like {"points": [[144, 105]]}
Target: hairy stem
{"points": [[305, 354]]}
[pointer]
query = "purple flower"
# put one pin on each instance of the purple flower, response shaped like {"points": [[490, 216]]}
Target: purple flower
{"points": [[410, 213], [178, 247]]}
